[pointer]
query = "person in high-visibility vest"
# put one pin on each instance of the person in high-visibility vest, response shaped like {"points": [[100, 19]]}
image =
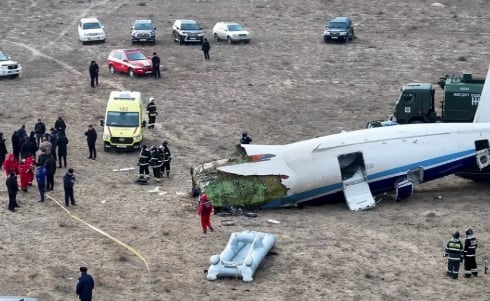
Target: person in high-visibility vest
{"points": [[470, 246]]}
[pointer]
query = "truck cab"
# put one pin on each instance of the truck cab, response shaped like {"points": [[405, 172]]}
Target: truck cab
{"points": [[123, 121], [415, 104]]}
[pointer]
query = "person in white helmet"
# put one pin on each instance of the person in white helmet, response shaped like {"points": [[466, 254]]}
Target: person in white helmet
{"points": [[151, 109]]}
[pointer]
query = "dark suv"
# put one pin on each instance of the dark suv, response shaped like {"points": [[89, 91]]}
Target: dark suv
{"points": [[339, 29]]}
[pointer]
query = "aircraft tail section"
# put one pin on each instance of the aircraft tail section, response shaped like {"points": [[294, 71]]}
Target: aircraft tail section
{"points": [[482, 114]]}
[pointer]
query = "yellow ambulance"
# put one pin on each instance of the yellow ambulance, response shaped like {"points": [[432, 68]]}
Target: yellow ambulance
{"points": [[124, 121]]}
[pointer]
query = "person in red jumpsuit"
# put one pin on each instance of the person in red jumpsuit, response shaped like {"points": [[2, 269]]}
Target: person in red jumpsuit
{"points": [[205, 209], [31, 163], [24, 170], [11, 163]]}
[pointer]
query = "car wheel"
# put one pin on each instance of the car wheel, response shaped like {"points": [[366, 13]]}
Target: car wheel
{"points": [[14, 76], [181, 39], [228, 39], [111, 69], [327, 40], [216, 38], [131, 72]]}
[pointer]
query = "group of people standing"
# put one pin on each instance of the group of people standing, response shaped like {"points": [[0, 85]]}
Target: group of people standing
{"points": [[34, 156], [457, 252], [158, 158]]}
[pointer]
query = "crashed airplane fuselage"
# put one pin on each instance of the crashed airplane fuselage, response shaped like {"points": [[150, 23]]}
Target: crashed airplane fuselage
{"points": [[354, 164]]}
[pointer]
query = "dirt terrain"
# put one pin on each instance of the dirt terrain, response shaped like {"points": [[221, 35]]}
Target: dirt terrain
{"points": [[286, 85]]}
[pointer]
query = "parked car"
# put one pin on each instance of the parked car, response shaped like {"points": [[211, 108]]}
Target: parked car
{"points": [[187, 31], [90, 30], [8, 67], [230, 32], [339, 29], [130, 61], [143, 31]]}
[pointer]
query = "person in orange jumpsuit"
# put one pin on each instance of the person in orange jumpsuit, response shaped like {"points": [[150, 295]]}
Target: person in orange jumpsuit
{"points": [[31, 163], [205, 209], [11, 163]]}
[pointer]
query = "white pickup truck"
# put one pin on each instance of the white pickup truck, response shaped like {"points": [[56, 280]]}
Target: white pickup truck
{"points": [[8, 67]]}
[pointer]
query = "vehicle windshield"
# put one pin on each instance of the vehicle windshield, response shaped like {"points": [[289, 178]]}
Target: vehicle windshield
{"points": [[340, 25], [136, 56], [143, 26], [93, 25], [190, 26], [3, 57], [122, 119], [235, 27]]}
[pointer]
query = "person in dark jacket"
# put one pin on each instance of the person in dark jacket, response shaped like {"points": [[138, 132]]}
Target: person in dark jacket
{"points": [[3, 150], [205, 49], [454, 254], [68, 183], [151, 109], [91, 139], [155, 61], [53, 138], [29, 146], [205, 209], [12, 188], [62, 143], [50, 165], [85, 285], [245, 138], [156, 162], [39, 130], [60, 125], [16, 144], [41, 181], [167, 158], [93, 69], [470, 246], [22, 131], [143, 162]]}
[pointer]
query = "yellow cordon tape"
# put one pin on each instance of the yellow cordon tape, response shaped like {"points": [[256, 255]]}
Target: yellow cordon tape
{"points": [[128, 247]]}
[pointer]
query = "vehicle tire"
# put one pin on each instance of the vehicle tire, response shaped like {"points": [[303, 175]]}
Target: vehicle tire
{"points": [[326, 40], [14, 76], [228, 39], [181, 39], [111, 69], [131, 72], [216, 38], [246, 41]]}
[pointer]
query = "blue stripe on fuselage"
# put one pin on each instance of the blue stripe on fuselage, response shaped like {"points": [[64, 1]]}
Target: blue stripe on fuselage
{"points": [[385, 180]]}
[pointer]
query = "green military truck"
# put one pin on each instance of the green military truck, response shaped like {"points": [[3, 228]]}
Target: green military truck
{"points": [[416, 103]]}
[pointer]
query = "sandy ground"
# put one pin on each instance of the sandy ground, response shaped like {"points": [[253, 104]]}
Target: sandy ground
{"points": [[285, 86]]}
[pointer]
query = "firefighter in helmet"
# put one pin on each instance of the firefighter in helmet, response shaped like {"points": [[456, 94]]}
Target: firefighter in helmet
{"points": [[470, 246], [454, 254]]}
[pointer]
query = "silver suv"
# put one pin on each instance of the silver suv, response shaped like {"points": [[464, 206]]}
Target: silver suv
{"points": [[339, 29], [143, 31], [187, 31]]}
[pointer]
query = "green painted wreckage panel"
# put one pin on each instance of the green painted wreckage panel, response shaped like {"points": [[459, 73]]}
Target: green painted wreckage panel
{"points": [[226, 189]]}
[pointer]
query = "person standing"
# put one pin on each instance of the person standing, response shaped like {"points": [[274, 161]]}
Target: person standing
{"points": [[54, 142], [151, 109], [470, 246], [62, 142], [11, 164], [68, 183], [93, 69], [205, 49], [16, 144], [60, 125], [41, 181], [454, 254], [39, 130], [3, 150], [29, 146], [91, 139], [245, 138], [156, 162], [155, 61], [24, 170], [167, 158], [85, 285], [50, 165], [143, 162], [31, 165], [205, 209], [12, 188]]}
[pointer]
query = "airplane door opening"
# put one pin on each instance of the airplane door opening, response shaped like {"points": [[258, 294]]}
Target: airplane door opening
{"points": [[354, 182], [482, 153]]}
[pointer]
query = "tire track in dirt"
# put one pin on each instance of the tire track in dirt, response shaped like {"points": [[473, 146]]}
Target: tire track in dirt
{"points": [[37, 53]]}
